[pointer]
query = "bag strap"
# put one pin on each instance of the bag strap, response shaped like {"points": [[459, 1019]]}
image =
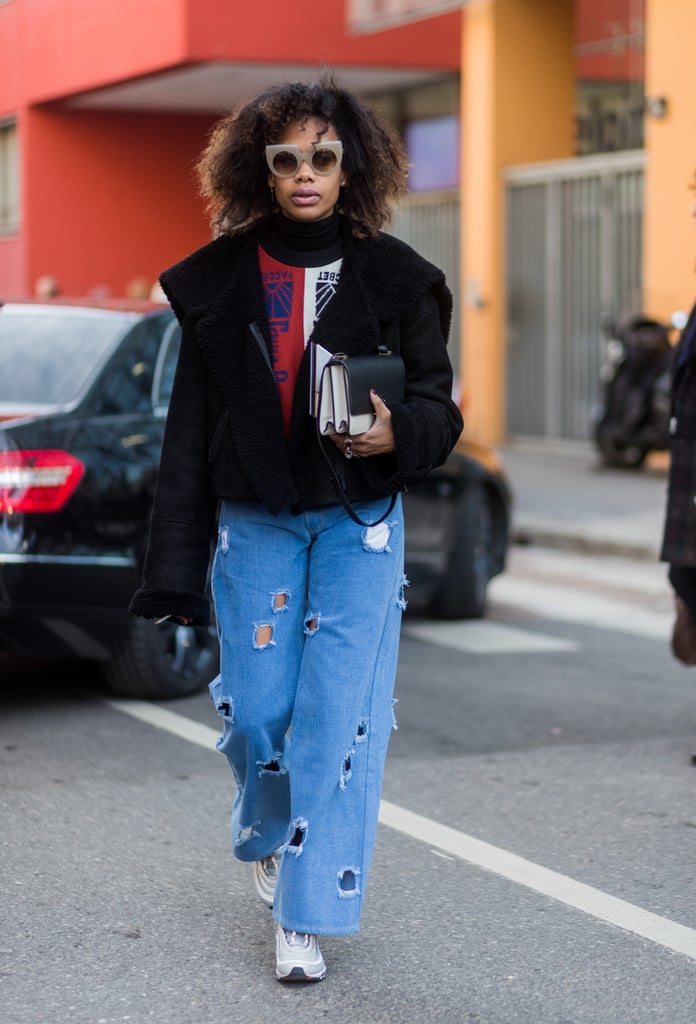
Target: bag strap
{"points": [[345, 500]]}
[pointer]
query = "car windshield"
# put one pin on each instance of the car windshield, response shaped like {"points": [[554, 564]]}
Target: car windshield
{"points": [[47, 355]]}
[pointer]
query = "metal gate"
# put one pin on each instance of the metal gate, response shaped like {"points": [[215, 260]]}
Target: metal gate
{"points": [[573, 259], [429, 221]]}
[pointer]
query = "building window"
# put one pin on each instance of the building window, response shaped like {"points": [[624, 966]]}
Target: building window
{"points": [[9, 177], [433, 149], [427, 118]]}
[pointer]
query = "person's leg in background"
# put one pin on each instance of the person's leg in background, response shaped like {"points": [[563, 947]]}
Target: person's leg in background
{"points": [[683, 580]]}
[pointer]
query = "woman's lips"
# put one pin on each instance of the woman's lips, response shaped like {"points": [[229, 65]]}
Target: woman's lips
{"points": [[305, 197]]}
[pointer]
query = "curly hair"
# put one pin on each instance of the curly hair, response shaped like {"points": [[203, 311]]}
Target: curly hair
{"points": [[232, 169]]}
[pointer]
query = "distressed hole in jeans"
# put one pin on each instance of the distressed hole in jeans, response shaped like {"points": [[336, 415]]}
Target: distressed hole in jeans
{"points": [[281, 600], [312, 624], [361, 734], [263, 636], [224, 540], [346, 768], [245, 833], [272, 767], [376, 538], [349, 883], [401, 595], [225, 708], [295, 844]]}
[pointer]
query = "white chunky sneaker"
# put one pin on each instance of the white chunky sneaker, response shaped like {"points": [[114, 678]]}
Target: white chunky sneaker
{"points": [[298, 957], [265, 877]]}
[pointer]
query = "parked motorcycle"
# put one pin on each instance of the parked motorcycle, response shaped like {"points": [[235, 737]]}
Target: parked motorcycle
{"points": [[633, 418]]}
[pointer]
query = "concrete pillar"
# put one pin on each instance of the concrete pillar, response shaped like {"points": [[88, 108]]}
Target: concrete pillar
{"points": [[670, 144], [517, 107]]}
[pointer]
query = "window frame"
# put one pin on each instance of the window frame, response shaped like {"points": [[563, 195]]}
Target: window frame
{"points": [[10, 205]]}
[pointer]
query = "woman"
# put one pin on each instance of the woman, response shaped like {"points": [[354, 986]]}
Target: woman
{"points": [[308, 602]]}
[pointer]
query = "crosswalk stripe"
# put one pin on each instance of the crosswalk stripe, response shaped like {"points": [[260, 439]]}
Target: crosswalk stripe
{"points": [[486, 637], [567, 604]]}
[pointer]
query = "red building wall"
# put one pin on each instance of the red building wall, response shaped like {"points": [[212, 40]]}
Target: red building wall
{"points": [[122, 200], [314, 31], [110, 196], [621, 21]]}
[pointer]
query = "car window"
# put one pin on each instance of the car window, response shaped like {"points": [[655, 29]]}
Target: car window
{"points": [[166, 368], [126, 386], [48, 356]]}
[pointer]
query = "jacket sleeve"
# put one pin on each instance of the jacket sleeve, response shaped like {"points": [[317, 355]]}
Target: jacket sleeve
{"points": [[428, 423], [178, 552]]}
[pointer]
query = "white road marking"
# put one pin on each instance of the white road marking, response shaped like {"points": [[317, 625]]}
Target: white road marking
{"points": [[569, 605], [603, 570], [591, 901], [168, 721], [485, 637]]}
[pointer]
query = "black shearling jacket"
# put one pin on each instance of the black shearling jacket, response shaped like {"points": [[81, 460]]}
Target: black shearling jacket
{"points": [[224, 436]]}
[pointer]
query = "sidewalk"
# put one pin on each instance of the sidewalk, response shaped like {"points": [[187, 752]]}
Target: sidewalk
{"points": [[564, 497]]}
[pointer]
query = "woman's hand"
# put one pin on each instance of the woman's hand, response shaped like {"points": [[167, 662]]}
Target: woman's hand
{"points": [[378, 440]]}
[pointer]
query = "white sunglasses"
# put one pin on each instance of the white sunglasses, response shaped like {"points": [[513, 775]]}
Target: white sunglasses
{"points": [[323, 157]]}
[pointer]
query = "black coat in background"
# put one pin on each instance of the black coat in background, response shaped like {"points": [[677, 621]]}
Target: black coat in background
{"points": [[224, 436], [679, 541]]}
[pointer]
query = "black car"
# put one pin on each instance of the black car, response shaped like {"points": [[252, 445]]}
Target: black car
{"points": [[84, 389]]}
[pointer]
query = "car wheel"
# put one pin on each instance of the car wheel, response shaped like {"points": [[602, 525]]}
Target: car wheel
{"points": [[461, 592], [161, 662], [634, 456]]}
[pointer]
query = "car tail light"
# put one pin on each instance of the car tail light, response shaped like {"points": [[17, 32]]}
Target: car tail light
{"points": [[38, 480]]}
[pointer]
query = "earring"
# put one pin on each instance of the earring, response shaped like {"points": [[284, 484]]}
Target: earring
{"points": [[273, 198]]}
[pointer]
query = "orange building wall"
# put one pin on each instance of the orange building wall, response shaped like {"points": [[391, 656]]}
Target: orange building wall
{"points": [[517, 107], [670, 144], [119, 201]]}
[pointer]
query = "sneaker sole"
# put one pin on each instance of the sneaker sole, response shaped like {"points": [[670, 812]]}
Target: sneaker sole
{"points": [[298, 974], [263, 893]]}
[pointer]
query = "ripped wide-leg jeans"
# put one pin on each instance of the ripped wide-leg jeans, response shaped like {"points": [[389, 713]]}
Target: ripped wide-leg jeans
{"points": [[309, 612]]}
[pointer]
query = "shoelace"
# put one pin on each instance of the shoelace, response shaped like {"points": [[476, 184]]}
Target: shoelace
{"points": [[297, 939]]}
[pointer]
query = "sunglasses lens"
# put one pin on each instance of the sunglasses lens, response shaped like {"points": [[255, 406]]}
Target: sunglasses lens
{"points": [[324, 160], [285, 163]]}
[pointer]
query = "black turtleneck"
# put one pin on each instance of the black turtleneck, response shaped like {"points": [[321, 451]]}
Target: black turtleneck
{"points": [[304, 243]]}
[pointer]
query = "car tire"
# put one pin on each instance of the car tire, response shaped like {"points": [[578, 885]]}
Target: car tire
{"points": [[462, 590], [163, 662]]}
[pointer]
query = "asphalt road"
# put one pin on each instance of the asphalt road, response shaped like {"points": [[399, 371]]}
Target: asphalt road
{"points": [[535, 861]]}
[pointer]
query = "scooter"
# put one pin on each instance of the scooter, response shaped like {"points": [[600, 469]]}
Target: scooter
{"points": [[633, 418]]}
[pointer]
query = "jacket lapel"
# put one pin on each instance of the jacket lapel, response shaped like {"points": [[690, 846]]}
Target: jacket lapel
{"points": [[245, 379]]}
